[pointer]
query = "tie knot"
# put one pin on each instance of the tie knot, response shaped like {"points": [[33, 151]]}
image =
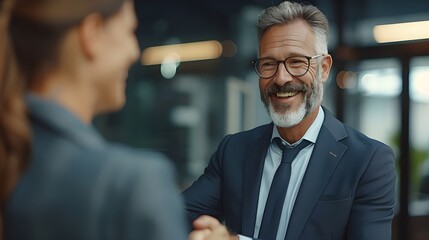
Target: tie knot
{"points": [[289, 153]]}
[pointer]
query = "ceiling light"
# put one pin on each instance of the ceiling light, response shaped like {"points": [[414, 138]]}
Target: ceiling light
{"points": [[184, 52], [401, 31]]}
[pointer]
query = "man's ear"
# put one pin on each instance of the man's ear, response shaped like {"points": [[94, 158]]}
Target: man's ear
{"points": [[326, 67], [90, 35]]}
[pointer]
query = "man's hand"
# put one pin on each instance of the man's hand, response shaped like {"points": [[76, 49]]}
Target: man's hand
{"points": [[209, 228]]}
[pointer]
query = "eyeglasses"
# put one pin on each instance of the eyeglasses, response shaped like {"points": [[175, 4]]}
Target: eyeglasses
{"points": [[296, 66]]}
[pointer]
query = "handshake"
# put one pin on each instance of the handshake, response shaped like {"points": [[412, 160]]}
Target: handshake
{"points": [[209, 228]]}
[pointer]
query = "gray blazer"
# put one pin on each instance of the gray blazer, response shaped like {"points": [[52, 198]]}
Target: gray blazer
{"points": [[77, 186]]}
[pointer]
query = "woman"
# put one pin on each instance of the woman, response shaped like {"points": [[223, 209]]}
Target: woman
{"points": [[61, 63]]}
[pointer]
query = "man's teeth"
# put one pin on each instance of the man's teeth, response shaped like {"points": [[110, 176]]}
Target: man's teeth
{"points": [[286, 94]]}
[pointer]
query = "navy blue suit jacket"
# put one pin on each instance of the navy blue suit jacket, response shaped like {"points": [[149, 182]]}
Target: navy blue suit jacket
{"points": [[347, 191]]}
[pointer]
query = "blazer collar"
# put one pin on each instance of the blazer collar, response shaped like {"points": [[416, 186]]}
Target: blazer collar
{"points": [[50, 115], [252, 176], [326, 155]]}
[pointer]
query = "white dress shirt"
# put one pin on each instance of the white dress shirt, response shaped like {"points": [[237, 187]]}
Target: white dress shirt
{"points": [[299, 166]]}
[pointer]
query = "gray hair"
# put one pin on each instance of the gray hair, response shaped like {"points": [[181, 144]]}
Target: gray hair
{"points": [[287, 12]]}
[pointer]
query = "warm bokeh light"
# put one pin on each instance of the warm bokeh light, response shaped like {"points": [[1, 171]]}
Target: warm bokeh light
{"points": [[185, 52], [401, 31], [229, 48], [346, 80]]}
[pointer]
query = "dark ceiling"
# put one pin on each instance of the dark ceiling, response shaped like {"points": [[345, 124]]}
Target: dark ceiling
{"points": [[165, 21]]}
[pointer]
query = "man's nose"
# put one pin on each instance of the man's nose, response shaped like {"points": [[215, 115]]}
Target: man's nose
{"points": [[282, 76]]}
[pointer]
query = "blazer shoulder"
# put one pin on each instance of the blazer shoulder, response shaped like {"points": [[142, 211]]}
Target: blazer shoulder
{"points": [[360, 143], [358, 136], [349, 135], [130, 159]]}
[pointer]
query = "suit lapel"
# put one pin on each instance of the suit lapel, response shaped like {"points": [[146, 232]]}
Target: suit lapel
{"points": [[326, 154], [252, 175]]}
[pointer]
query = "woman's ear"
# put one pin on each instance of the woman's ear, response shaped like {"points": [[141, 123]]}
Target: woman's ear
{"points": [[90, 35]]}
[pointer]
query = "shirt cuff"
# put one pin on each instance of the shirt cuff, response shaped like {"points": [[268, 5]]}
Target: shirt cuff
{"points": [[241, 237]]}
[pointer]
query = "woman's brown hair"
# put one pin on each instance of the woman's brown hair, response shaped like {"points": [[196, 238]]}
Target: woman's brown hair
{"points": [[30, 34], [14, 128]]}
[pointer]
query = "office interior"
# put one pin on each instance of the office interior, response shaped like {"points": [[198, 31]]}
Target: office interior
{"points": [[195, 83]]}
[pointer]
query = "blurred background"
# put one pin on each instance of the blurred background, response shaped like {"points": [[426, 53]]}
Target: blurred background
{"points": [[195, 83]]}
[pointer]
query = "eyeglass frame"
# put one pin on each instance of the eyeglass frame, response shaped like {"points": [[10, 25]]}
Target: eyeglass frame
{"points": [[284, 63]]}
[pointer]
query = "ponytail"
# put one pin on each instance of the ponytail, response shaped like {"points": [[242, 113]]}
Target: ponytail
{"points": [[14, 126]]}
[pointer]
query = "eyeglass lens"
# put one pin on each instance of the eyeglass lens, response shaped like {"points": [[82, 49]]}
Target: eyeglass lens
{"points": [[296, 66]]}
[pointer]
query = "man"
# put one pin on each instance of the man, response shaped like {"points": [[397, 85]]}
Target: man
{"points": [[340, 186]]}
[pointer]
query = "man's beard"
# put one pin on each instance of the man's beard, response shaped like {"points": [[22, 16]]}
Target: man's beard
{"points": [[282, 114]]}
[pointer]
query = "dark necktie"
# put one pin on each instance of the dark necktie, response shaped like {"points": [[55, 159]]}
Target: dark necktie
{"points": [[278, 189]]}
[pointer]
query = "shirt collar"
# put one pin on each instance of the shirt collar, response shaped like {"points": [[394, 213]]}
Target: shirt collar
{"points": [[310, 135]]}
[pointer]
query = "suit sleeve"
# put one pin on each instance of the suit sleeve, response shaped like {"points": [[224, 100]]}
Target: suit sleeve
{"points": [[204, 196], [153, 208], [373, 207]]}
